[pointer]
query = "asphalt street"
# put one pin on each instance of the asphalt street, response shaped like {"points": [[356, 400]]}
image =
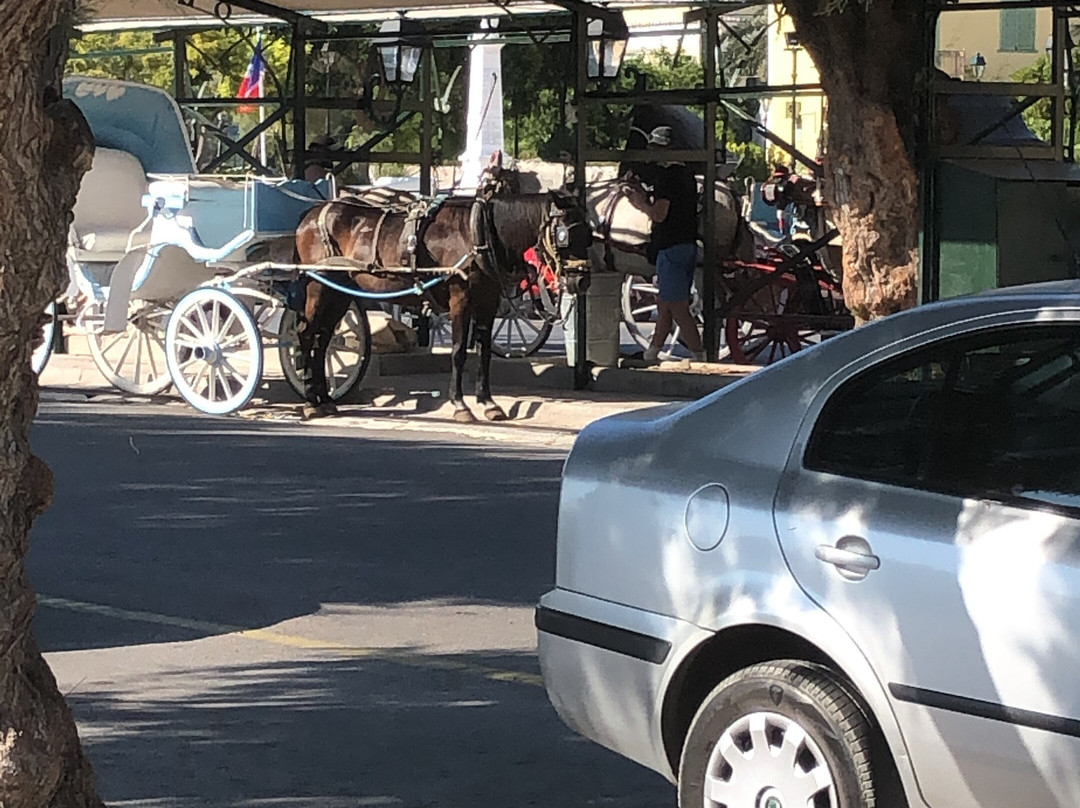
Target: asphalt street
{"points": [[247, 613]]}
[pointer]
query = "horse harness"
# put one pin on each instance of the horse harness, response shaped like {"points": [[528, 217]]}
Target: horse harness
{"points": [[552, 238], [418, 216]]}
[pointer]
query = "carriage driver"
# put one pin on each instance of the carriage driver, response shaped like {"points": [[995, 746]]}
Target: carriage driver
{"points": [[674, 215]]}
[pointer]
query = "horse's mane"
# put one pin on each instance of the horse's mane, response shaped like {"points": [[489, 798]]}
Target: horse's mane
{"points": [[518, 220]]}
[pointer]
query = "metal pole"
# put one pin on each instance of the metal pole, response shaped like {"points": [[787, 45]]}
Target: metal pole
{"points": [[180, 64], [794, 101], [299, 45], [427, 129], [926, 165], [708, 278], [581, 368]]}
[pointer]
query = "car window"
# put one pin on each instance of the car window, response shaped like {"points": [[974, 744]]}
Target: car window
{"points": [[994, 415]]}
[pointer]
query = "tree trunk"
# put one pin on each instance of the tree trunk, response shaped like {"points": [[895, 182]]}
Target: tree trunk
{"points": [[869, 57], [45, 147]]}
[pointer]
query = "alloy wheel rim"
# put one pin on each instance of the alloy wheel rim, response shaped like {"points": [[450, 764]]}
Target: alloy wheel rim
{"points": [[767, 760]]}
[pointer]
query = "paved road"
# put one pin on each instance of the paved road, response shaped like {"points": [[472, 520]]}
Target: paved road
{"points": [[266, 614]]}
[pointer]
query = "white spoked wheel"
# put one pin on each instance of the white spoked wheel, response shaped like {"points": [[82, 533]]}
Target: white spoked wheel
{"points": [[347, 356], [440, 331], [519, 331], [214, 351], [640, 310], [132, 360], [48, 332]]}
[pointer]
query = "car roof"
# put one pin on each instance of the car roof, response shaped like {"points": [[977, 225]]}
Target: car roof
{"points": [[755, 420], [785, 391]]}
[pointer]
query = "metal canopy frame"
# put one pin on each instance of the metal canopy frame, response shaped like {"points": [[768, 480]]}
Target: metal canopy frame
{"points": [[563, 18], [931, 155]]}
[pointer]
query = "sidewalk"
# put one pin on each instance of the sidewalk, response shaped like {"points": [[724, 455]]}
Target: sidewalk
{"points": [[537, 394]]}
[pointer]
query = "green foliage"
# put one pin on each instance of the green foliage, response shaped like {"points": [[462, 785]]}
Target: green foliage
{"points": [[537, 82], [1039, 116], [752, 161], [128, 55]]}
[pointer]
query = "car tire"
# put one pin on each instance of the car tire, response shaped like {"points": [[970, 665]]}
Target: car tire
{"points": [[809, 722]]}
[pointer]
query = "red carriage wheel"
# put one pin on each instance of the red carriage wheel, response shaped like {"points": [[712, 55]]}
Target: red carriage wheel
{"points": [[773, 316]]}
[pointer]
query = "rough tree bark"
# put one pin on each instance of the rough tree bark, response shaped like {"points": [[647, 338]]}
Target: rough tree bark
{"points": [[45, 147], [869, 54]]}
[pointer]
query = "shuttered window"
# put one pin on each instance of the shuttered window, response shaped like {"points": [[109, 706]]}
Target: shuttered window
{"points": [[1018, 29]]}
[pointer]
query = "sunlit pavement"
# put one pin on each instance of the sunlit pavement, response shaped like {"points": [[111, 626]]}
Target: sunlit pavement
{"points": [[247, 613]]}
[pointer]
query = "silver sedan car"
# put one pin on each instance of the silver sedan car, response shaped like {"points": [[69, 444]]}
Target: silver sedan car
{"points": [[850, 580]]}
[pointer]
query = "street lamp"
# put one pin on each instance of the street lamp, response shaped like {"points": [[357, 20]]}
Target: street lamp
{"points": [[978, 66], [400, 46], [607, 40]]}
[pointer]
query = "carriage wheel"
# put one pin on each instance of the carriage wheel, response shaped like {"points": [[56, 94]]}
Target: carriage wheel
{"points": [[213, 350], [134, 359], [48, 333], [769, 318], [640, 308], [440, 330], [347, 356], [519, 331]]}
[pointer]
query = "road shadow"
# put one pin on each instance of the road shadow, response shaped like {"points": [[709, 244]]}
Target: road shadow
{"points": [[331, 733], [228, 524]]}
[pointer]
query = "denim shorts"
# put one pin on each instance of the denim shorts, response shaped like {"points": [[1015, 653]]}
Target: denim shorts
{"points": [[675, 267]]}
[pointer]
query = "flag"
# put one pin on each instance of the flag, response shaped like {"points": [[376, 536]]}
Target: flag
{"points": [[251, 86]]}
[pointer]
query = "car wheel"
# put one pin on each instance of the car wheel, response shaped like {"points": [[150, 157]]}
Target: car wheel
{"points": [[777, 735]]}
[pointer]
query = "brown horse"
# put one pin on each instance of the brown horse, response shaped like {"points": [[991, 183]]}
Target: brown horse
{"points": [[483, 240]]}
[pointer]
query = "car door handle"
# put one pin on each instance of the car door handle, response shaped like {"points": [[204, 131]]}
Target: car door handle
{"points": [[849, 560]]}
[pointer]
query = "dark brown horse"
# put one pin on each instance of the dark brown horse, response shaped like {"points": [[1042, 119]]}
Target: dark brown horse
{"points": [[484, 240]]}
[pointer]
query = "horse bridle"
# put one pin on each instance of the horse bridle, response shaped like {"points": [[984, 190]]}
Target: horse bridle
{"points": [[555, 236]]}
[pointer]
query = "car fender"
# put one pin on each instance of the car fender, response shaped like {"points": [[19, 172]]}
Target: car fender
{"points": [[756, 600]]}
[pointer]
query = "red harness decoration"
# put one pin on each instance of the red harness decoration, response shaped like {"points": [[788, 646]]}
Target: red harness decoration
{"points": [[544, 273]]}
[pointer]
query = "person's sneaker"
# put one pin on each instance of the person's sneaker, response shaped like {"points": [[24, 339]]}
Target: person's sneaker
{"points": [[652, 354], [697, 356]]}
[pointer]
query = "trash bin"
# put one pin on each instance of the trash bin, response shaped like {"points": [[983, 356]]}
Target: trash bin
{"points": [[603, 312]]}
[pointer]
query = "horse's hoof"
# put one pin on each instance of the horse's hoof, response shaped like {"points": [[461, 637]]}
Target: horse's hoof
{"points": [[464, 416], [327, 408], [309, 411], [493, 412]]}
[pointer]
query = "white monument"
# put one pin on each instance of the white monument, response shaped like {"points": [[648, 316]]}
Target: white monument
{"points": [[484, 124]]}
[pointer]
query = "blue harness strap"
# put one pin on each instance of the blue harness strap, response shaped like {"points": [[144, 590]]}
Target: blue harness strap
{"points": [[419, 288]]}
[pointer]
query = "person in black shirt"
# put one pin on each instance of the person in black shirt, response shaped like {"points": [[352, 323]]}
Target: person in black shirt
{"points": [[673, 211]]}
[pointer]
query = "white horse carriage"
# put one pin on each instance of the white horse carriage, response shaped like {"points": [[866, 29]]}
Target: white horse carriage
{"points": [[175, 276]]}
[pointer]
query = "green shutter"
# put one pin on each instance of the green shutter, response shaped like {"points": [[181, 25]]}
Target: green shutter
{"points": [[1018, 30]]}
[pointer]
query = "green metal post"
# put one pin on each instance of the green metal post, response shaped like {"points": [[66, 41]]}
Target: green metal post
{"points": [[180, 64], [581, 367], [708, 280], [299, 46], [427, 128]]}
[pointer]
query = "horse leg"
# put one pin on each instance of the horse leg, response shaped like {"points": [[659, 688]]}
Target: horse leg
{"points": [[315, 329], [335, 308], [305, 332], [485, 303], [459, 326]]}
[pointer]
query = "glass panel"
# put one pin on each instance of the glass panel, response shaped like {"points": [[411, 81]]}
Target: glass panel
{"points": [[986, 416], [390, 59], [410, 61], [613, 56]]}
